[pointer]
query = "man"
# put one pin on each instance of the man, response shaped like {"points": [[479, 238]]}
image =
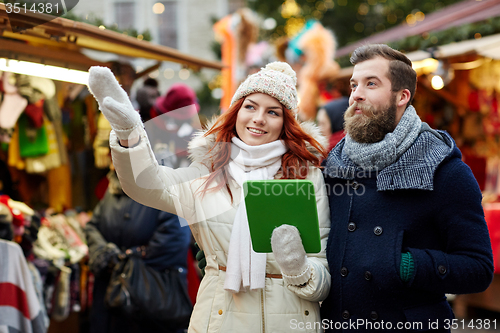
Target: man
{"points": [[407, 221]]}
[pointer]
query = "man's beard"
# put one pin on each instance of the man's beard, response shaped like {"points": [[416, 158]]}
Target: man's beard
{"points": [[372, 124]]}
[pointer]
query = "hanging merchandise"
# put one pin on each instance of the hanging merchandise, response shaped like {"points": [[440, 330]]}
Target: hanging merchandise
{"points": [[227, 40], [236, 33], [311, 53], [12, 105], [45, 86], [32, 142], [21, 217], [61, 301], [50, 160], [487, 76], [38, 284], [14, 156], [17, 289], [61, 244], [259, 55], [492, 186], [6, 228], [34, 112], [53, 112], [25, 89], [102, 154], [60, 189], [91, 113], [59, 241], [18, 222]]}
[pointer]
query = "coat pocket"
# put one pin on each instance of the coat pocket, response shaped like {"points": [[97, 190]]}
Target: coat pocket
{"points": [[430, 317]]}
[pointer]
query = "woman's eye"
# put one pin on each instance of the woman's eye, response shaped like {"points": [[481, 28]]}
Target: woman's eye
{"points": [[250, 107], [274, 113], [353, 86]]}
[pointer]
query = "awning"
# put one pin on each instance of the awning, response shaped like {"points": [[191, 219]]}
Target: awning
{"points": [[468, 11], [486, 47], [60, 41]]}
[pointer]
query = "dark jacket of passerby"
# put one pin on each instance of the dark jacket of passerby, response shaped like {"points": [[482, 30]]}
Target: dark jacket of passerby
{"points": [[119, 224], [426, 203]]}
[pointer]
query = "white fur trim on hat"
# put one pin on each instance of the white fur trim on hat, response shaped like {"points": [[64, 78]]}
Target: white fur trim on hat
{"points": [[277, 79]]}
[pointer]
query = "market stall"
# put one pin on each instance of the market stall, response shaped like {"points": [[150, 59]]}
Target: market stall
{"points": [[48, 125], [31, 44]]}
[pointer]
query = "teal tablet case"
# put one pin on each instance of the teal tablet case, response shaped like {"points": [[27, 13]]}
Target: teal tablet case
{"points": [[271, 203]]}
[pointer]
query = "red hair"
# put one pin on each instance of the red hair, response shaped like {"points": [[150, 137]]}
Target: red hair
{"points": [[295, 162]]}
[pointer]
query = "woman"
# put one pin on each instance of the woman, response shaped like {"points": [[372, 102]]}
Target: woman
{"points": [[256, 138]]}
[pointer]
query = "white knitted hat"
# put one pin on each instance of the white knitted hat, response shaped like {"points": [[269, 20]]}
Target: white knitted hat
{"points": [[277, 79]]}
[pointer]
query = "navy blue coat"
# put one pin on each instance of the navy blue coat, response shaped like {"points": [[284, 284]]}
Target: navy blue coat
{"points": [[435, 214], [120, 220]]}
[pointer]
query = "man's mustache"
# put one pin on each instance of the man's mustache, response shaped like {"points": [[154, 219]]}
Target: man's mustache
{"points": [[366, 109]]}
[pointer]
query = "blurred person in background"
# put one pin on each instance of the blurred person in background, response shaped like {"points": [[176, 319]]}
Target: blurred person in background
{"points": [[146, 96], [120, 225], [330, 120], [174, 120]]}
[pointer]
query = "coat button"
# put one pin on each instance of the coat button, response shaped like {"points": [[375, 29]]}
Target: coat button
{"points": [[378, 231], [220, 312], [306, 313], [126, 216], [374, 315], [368, 275], [351, 226], [355, 185], [344, 271], [346, 314], [442, 270]]}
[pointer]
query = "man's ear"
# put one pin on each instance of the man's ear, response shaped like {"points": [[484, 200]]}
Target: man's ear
{"points": [[403, 98]]}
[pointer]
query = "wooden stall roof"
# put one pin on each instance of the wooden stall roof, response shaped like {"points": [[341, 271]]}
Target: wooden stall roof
{"points": [[468, 11], [486, 47], [27, 36]]}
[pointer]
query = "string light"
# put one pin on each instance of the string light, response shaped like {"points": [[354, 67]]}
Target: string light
{"points": [[158, 8], [45, 71], [437, 82]]}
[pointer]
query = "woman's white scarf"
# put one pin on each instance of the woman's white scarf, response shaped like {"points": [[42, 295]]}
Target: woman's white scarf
{"points": [[246, 268]]}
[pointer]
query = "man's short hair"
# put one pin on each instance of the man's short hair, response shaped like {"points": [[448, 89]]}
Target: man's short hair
{"points": [[401, 73]]}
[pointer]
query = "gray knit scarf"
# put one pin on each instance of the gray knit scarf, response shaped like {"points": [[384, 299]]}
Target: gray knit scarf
{"points": [[378, 155]]}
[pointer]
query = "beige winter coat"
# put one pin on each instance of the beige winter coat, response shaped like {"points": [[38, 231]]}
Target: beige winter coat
{"points": [[279, 307]]}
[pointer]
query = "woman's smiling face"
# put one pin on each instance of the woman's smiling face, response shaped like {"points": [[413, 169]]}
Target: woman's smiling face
{"points": [[259, 120]]}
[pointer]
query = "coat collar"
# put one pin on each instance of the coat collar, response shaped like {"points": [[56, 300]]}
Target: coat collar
{"points": [[203, 149], [413, 170]]}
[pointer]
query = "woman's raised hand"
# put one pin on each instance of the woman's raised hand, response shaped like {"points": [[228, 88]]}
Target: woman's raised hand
{"points": [[114, 103]]}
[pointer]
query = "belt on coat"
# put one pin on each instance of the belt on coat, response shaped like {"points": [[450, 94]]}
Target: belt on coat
{"points": [[272, 276]]}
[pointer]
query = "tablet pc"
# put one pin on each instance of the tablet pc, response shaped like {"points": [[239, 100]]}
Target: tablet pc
{"points": [[271, 203]]}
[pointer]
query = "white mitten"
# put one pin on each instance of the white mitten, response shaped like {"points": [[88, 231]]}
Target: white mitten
{"points": [[114, 103], [290, 254]]}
